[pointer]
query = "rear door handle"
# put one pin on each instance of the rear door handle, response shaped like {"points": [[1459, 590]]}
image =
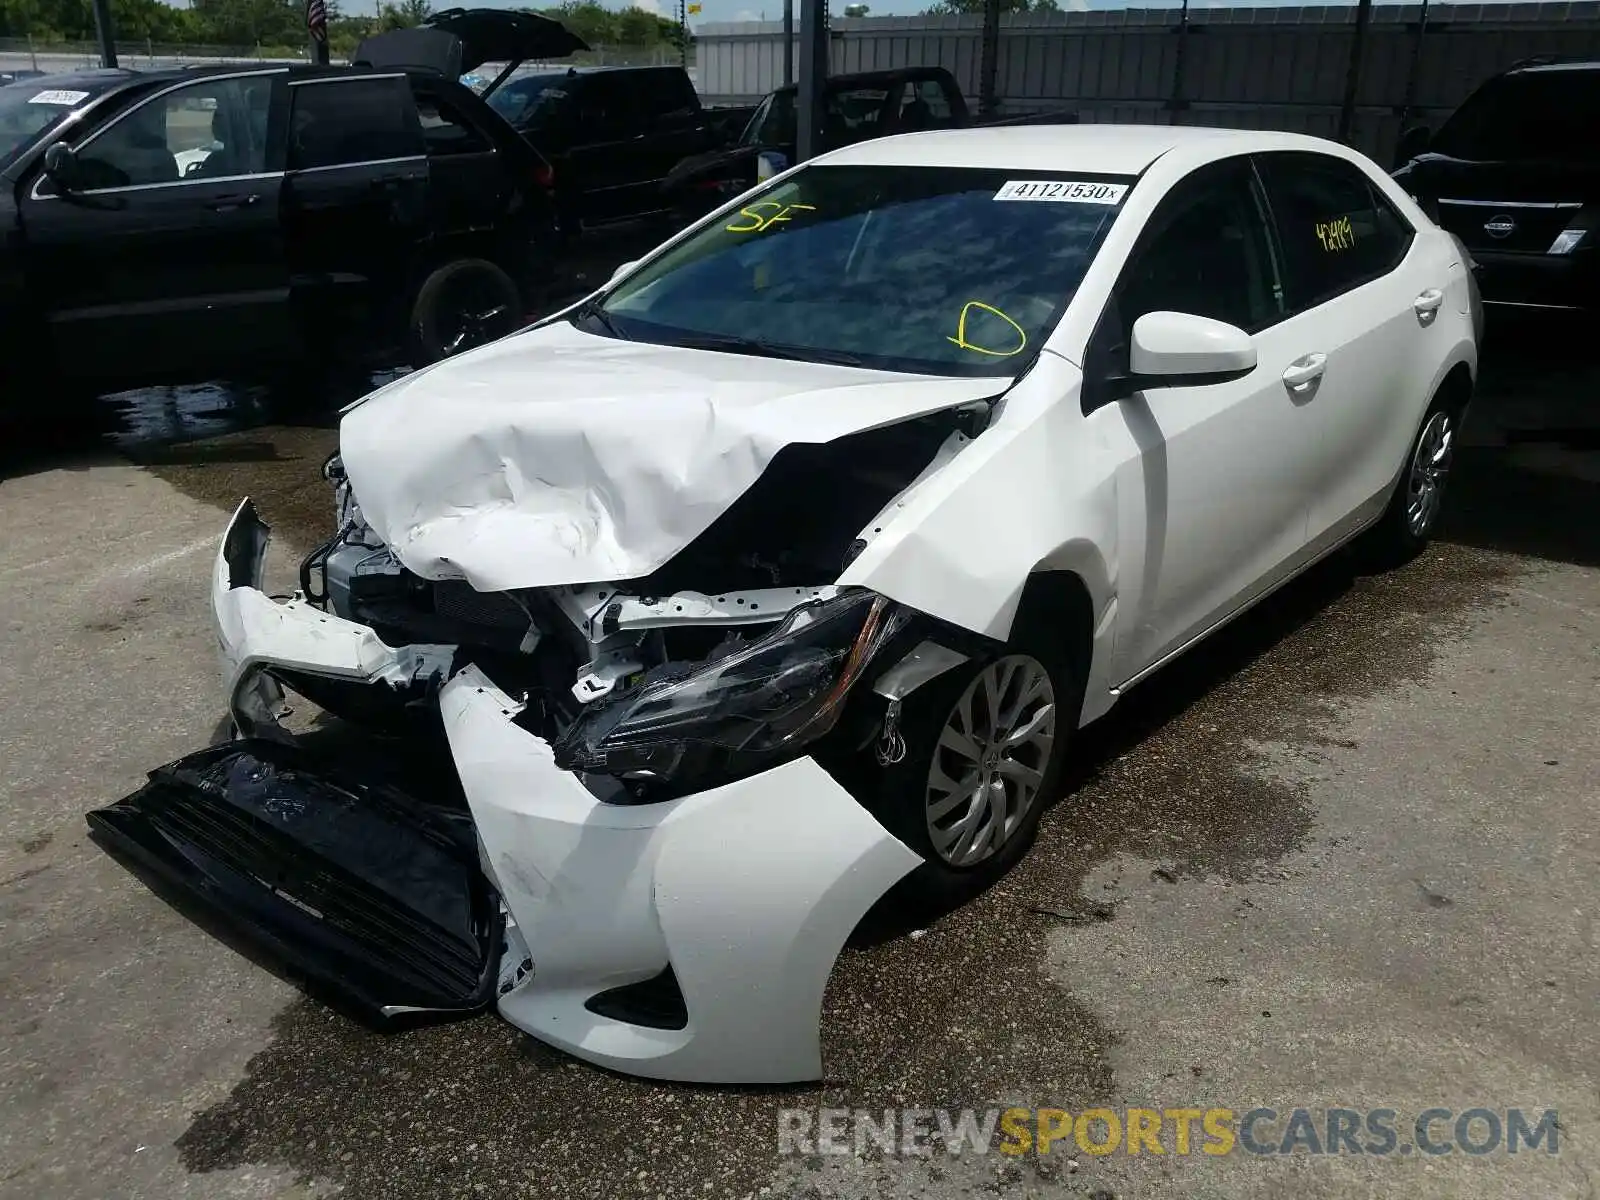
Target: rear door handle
{"points": [[1301, 375], [1426, 306], [229, 203]]}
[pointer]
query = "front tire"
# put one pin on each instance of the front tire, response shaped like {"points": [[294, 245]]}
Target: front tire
{"points": [[1412, 515], [984, 748]]}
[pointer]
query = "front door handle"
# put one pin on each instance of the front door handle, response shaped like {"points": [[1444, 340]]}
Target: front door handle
{"points": [[1301, 376], [1426, 306], [229, 203]]}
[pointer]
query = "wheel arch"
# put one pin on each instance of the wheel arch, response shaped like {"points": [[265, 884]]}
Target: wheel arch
{"points": [[1058, 599], [1455, 389]]}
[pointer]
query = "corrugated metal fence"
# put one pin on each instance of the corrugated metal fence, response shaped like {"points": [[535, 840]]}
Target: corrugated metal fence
{"points": [[1270, 68]]}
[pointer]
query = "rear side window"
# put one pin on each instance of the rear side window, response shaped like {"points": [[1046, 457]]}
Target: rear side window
{"points": [[348, 120], [1335, 230], [445, 131], [923, 105]]}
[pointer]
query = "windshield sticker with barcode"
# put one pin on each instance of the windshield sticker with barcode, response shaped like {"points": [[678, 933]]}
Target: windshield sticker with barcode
{"points": [[63, 98], [1063, 191]]}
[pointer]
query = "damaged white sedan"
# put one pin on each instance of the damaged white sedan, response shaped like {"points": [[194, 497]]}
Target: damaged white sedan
{"points": [[788, 564]]}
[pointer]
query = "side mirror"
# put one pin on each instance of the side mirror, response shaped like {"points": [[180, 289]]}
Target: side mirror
{"points": [[623, 269], [1173, 349], [1413, 141], [61, 165]]}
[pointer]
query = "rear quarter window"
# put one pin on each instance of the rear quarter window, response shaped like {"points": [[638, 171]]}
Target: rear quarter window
{"points": [[1335, 230]]}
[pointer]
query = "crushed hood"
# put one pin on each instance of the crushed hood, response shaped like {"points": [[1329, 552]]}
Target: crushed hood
{"points": [[560, 457]]}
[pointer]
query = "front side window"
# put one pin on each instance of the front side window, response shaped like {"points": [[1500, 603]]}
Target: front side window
{"points": [[928, 270], [1335, 230], [773, 123], [1207, 252], [345, 121], [210, 129]]}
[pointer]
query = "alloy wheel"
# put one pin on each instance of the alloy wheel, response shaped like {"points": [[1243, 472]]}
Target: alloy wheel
{"points": [[1430, 467], [990, 760]]}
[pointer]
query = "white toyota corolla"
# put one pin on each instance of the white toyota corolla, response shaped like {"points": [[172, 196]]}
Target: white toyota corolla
{"points": [[788, 564]]}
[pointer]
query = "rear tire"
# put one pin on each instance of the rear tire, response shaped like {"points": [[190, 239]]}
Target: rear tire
{"points": [[461, 305], [1412, 515], [985, 744]]}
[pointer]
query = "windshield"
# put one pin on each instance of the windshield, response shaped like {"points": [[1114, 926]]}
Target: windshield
{"points": [[1540, 115], [30, 110], [531, 98], [928, 270]]}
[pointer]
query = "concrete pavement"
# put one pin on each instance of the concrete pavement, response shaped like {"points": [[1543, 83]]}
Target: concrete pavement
{"points": [[1366, 810]]}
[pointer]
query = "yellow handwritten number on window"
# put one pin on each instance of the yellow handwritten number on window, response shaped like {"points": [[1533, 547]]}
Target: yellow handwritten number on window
{"points": [[960, 338], [1335, 235]]}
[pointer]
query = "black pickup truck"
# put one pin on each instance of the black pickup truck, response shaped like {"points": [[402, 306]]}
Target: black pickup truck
{"points": [[857, 108]]}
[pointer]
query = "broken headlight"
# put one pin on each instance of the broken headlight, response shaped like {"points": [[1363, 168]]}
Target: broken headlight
{"points": [[750, 706]]}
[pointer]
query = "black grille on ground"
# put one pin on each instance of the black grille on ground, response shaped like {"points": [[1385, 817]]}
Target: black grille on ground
{"points": [[371, 893]]}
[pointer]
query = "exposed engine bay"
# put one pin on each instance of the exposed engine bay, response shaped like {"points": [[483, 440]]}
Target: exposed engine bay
{"points": [[723, 661]]}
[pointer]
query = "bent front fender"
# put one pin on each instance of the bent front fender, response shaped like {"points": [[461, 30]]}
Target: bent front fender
{"points": [[747, 892]]}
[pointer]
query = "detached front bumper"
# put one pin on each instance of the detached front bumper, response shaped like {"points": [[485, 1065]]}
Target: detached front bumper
{"points": [[690, 939], [256, 632], [745, 893]]}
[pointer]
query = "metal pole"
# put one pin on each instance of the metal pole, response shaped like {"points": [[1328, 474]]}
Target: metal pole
{"points": [[1416, 63], [788, 42], [813, 78], [1177, 103], [1347, 113], [683, 34], [989, 58], [103, 32]]}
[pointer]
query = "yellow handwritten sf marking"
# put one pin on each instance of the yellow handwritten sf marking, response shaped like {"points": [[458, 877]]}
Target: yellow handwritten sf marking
{"points": [[960, 338], [759, 223]]}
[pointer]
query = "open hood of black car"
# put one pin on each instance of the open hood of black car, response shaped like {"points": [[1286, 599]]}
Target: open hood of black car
{"points": [[457, 40]]}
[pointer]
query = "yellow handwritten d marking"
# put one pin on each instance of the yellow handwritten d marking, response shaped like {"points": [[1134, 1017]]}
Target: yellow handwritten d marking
{"points": [[960, 338]]}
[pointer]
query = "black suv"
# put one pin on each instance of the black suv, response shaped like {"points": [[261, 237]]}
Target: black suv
{"points": [[175, 225], [1515, 174]]}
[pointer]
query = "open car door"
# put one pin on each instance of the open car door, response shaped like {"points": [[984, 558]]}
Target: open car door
{"points": [[455, 41]]}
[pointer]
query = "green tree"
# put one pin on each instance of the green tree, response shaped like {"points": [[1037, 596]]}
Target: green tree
{"points": [[406, 14]]}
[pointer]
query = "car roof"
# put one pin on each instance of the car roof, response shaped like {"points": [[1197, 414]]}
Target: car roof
{"points": [[1093, 149], [96, 79], [869, 78]]}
